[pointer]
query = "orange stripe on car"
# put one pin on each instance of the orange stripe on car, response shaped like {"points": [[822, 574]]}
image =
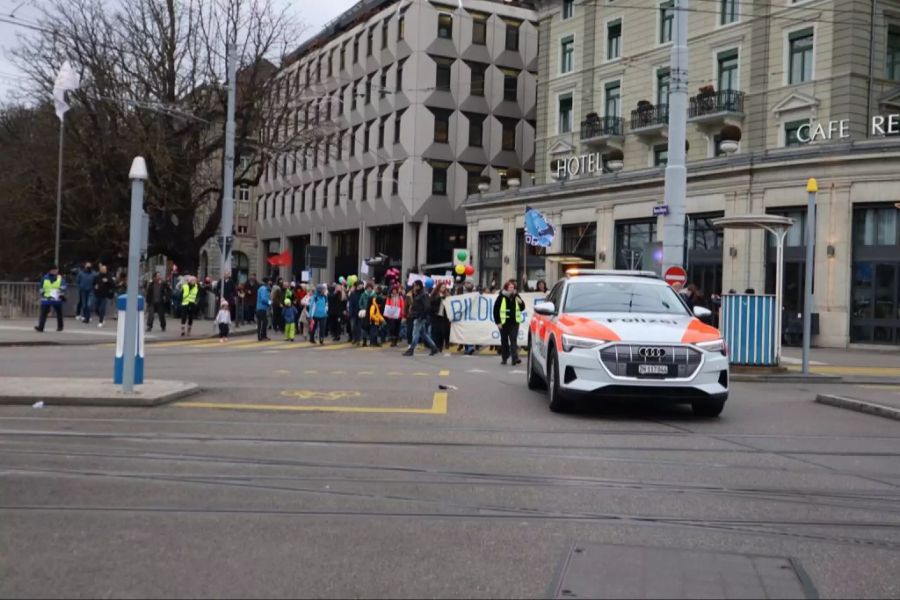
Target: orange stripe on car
{"points": [[698, 331]]}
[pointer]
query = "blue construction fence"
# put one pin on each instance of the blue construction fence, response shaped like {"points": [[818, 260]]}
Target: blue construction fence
{"points": [[747, 323]]}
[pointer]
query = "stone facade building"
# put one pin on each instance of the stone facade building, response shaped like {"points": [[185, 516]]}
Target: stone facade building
{"points": [[412, 103], [814, 87]]}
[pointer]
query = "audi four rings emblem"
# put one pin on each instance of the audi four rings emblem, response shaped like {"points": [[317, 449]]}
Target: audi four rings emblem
{"points": [[648, 352]]}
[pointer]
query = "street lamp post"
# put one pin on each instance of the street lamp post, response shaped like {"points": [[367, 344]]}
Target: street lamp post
{"points": [[812, 187]]}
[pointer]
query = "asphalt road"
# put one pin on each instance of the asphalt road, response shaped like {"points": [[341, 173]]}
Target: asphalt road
{"points": [[345, 472]]}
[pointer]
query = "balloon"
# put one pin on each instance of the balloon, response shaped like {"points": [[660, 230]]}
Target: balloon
{"points": [[462, 255], [429, 283], [341, 280], [460, 269], [352, 279], [470, 270]]}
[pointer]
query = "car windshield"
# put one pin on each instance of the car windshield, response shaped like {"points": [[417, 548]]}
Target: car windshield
{"points": [[623, 297]]}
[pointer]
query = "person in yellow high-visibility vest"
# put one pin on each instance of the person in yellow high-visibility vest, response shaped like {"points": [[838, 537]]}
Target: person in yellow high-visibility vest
{"points": [[189, 292], [53, 290], [508, 316]]}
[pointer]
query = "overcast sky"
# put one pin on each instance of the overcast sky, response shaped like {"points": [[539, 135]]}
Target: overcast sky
{"points": [[313, 13]]}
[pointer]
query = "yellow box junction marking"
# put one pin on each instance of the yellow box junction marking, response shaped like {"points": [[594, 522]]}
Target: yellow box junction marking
{"points": [[438, 407]]}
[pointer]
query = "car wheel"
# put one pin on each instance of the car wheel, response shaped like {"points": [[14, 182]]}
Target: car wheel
{"points": [[558, 401], [534, 380], [708, 407]]}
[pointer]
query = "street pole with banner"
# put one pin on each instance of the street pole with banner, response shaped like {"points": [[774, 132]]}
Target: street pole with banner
{"points": [[812, 187], [67, 79]]}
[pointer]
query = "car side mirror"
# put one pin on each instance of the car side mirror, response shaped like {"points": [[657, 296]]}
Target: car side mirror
{"points": [[704, 314], [545, 308]]}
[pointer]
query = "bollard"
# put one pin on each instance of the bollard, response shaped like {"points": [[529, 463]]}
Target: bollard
{"points": [[119, 367]]}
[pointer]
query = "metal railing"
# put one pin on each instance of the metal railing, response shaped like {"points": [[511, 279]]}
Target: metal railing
{"points": [[602, 126], [718, 102], [19, 300], [650, 116]]}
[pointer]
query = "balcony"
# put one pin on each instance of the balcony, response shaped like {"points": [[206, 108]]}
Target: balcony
{"points": [[717, 108], [650, 121], [602, 131]]}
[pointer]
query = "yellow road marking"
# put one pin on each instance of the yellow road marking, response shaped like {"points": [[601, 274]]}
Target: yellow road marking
{"points": [[314, 394], [420, 374], [339, 372], [310, 372], [838, 369], [336, 347], [444, 373], [438, 407], [282, 371], [394, 373], [366, 373]]}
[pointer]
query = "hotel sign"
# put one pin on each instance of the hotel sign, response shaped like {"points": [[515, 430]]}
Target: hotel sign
{"points": [[578, 165]]}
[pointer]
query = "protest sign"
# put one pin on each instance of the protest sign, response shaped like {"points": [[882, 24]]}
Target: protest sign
{"points": [[472, 318]]}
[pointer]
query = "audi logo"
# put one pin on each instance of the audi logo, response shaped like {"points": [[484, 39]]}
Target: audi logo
{"points": [[649, 352]]}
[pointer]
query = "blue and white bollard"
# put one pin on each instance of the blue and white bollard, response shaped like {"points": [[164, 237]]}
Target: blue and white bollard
{"points": [[120, 342]]}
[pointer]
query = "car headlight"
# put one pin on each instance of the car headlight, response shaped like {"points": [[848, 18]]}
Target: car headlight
{"points": [[715, 346], [570, 342]]}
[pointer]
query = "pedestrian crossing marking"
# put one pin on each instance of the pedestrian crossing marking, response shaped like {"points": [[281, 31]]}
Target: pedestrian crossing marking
{"points": [[366, 373], [282, 371], [310, 372], [394, 373], [420, 374]]}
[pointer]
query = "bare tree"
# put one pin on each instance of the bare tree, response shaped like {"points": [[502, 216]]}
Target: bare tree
{"points": [[152, 84]]}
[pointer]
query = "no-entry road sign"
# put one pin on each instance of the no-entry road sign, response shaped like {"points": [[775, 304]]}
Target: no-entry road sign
{"points": [[675, 275]]}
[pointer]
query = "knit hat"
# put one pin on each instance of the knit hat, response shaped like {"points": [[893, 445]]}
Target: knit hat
{"points": [[287, 302]]}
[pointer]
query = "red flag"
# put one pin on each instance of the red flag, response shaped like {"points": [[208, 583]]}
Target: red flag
{"points": [[280, 260]]}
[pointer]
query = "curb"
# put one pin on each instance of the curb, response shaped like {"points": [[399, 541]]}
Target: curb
{"points": [[118, 399], [862, 406], [787, 378], [94, 342]]}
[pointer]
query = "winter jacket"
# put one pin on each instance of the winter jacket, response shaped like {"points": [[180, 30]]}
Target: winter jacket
{"points": [[85, 281], [375, 316], [290, 314], [511, 302], [318, 306], [421, 306], [262, 298], [105, 286], [399, 302]]}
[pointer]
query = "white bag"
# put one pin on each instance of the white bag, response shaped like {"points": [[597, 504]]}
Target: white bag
{"points": [[362, 313], [391, 312]]}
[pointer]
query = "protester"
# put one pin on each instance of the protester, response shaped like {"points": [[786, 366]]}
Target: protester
{"points": [[335, 310], [420, 314], [365, 300], [376, 320], [290, 320], [440, 324], [262, 311], [318, 314], [223, 320], [508, 309], [353, 313], [189, 295], [229, 294], [104, 290], [240, 310], [395, 309], [53, 295], [85, 284], [541, 286], [277, 305], [156, 296]]}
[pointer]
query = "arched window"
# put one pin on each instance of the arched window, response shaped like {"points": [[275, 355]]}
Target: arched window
{"points": [[240, 267]]}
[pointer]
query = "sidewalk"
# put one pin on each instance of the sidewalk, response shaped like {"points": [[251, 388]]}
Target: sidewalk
{"points": [[20, 332]]}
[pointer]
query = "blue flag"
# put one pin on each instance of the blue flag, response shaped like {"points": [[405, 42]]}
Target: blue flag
{"points": [[538, 232]]}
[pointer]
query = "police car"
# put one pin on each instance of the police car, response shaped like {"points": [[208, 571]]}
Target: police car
{"points": [[625, 334]]}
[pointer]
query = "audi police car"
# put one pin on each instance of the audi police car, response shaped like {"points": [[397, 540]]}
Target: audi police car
{"points": [[625, 334]]}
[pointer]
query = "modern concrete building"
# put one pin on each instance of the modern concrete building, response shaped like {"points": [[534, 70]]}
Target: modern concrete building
{"points": [[402, 106], [814, 86]]}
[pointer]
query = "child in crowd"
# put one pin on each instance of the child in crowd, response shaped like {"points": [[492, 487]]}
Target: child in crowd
{"points": [[290, 321], [223, 320]]}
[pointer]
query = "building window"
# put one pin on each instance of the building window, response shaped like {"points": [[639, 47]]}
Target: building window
{"points": [[476, 130], [892, 62], [350, 183], [339, 149], [614, 40], [580, 240], [398, 120], [343, 52], [634, 243], [568, 9], [663, 83], [565, 113], [490, 259], [875, 287], [380, 181], [509, 134], [352, 142], [442, 79], [510, 85], [728, 11], [512, 37], [395, 181], [613, 105], [243, 193], [399, 82], [791, 133], [370, 41], [365, 185], [439, 178], [401, 26], [445, 26], [477, 84], [666, 21], [384, 34], [473, 178], [382, 83], [367, 136], [441, 125], [312, 203], [660, 155], [353, 96], [567, 55], [381, 125], [800, 56], [368, 89], [728, 70], [479, 29], [356, 48]]}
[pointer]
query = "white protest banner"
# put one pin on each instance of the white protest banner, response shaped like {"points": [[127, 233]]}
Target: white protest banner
{"points": [[472, 318], [445, 279]]}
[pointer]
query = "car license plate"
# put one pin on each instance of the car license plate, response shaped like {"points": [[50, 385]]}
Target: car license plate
{"points": [[653, 370]]}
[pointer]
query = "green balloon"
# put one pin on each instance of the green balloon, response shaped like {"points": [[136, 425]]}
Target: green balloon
{"points": [[462, 255]]}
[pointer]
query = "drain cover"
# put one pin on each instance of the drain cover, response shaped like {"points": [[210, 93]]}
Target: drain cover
{"points": [[613, 571]]}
